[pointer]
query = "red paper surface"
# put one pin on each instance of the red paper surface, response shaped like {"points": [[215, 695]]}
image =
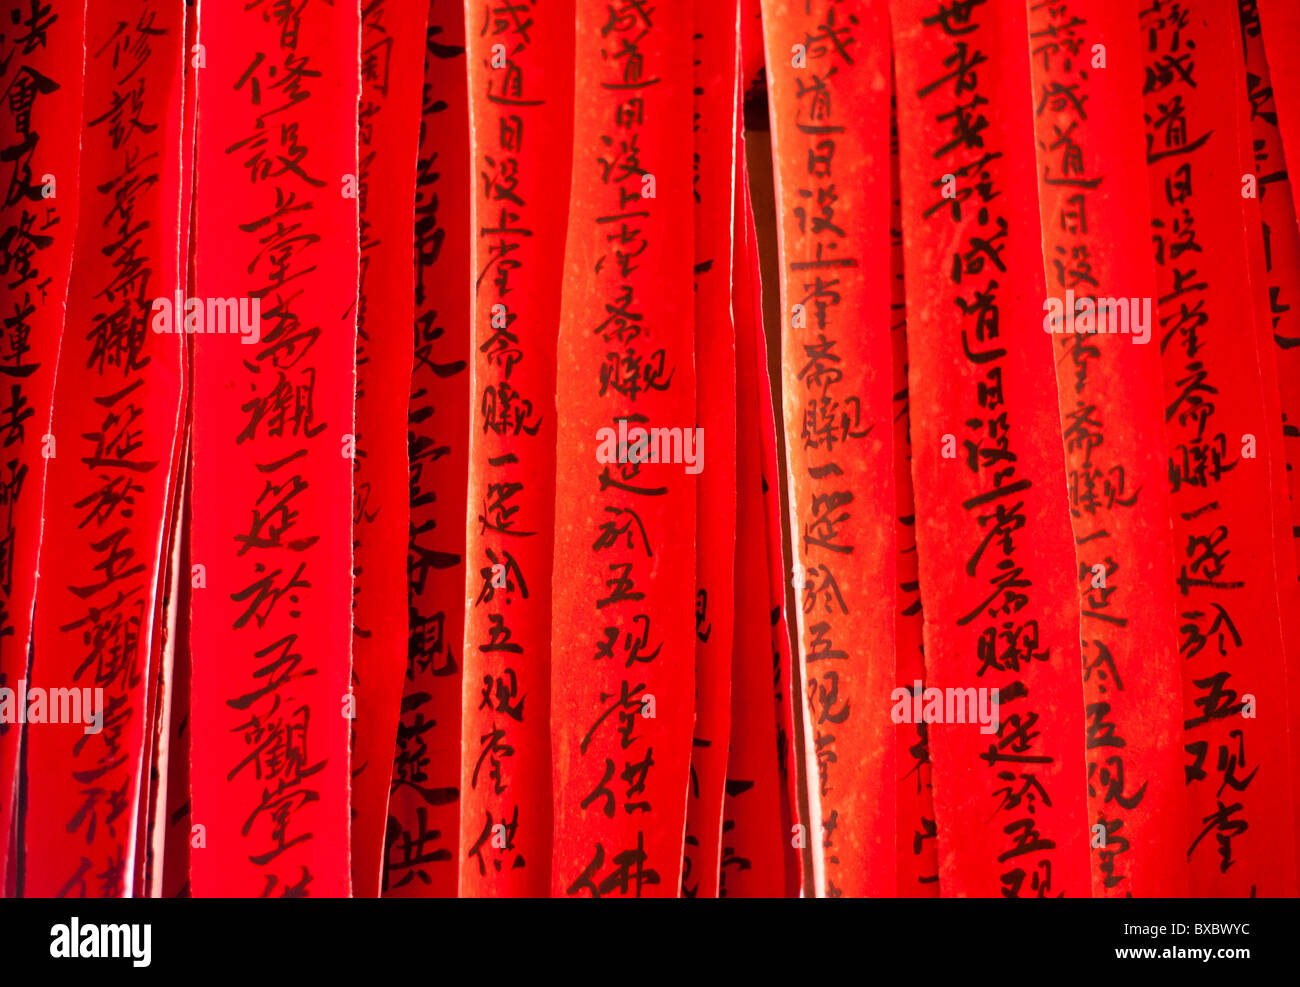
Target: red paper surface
{"points": [[755, 829], [623, 613], [748, 307], [273, 432], [917, 839], [117, 406], [392, 72], [521, 100], [1240, 828], [828, 78], [1275, 278], [423, 814], [1108, 386], [992, 530], [42, 79], [717, 51]]}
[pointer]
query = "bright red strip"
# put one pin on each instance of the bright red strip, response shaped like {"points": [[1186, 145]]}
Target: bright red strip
{"points": [[117, 405], [827, 69], [716, 81], [43, 67], [1240, 835], [992, 531], [273, 438], [1112, 422], [623, 614], [392, 72]]}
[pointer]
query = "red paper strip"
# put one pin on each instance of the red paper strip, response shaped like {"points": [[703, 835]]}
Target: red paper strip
{"points": [[117, 405], [752, 78], [420, 856], [273, 433], [627, 455], [1086, 81], [1275, 276], [755, 830], [748, 307], [827, 68], [917, 836], [176, 848], [992, 532], [1241, 827], [42, 54], [521, 110], [153, 827], [392, 71], [716, 84]]}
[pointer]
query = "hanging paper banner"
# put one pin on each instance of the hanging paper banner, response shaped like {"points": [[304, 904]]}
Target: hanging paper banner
{"points": [[716, 533], [748, 306], [1269, 98], [1275, 278], [828, 78], [274, 440], [917, 848], [41, 74], [177, 835], [1101, 290], [388, 122], [420, 843], [1236, 765], [521, 115], [755, 827], [628, 454], [117, 405], [1003, 697]]}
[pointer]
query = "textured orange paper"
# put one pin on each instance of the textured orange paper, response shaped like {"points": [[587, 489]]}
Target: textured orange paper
{"points": [[521, 114], [1220, 445], [392, 72], [992, 531], [117, 404], [1087, 88], [717, 49], [623, 614], [423, 813], [43, 64], [274, 437], [828, 78]]}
